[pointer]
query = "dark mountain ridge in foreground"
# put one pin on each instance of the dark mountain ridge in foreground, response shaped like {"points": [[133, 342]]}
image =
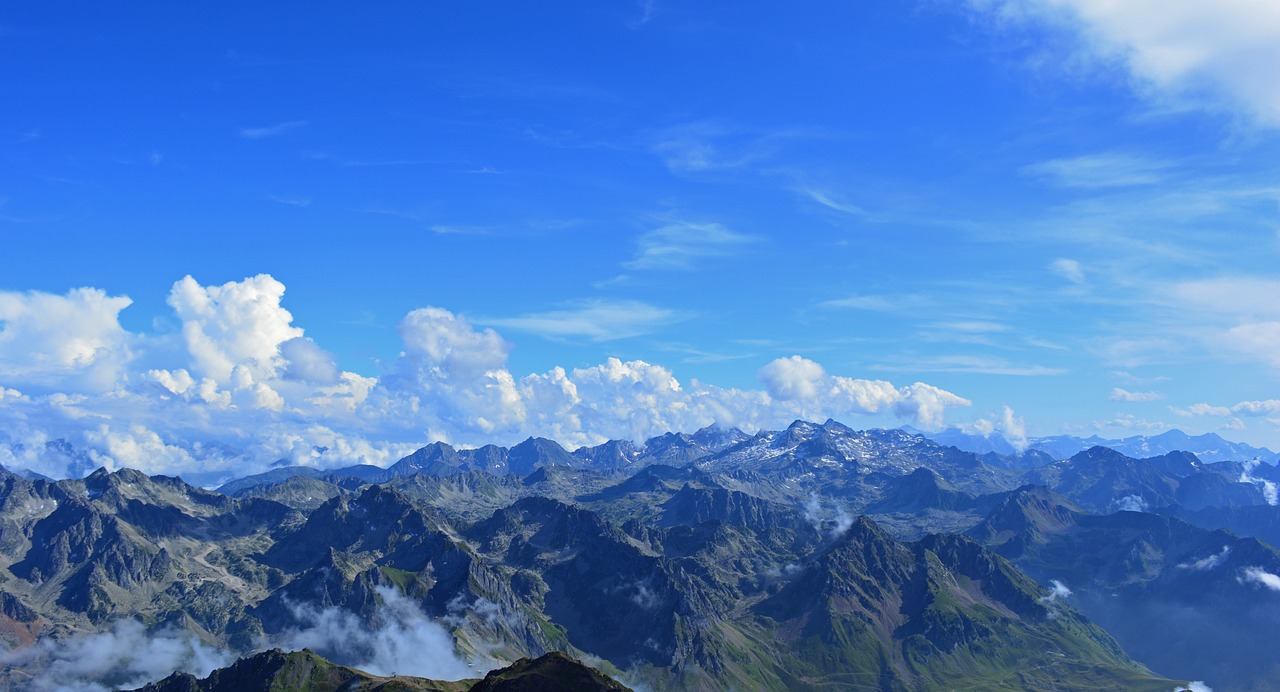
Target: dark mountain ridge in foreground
{"points": [[304, 671]]}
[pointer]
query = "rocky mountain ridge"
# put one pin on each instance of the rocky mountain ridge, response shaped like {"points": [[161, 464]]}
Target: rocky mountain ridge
{"points": [[746, 565]]}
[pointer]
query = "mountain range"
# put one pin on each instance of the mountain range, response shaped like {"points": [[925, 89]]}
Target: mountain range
{"points": [[817, 556], [1209, 447]]}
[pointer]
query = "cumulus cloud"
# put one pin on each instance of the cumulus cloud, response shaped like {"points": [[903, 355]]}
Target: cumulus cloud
{"points": [[1202, 410], [238, 324], [1131, 503], [1118, 394], [122, 657], [795, 378], [241, 387], [1010, 426], [804, 387], [48, 340], [306, 361], [1259, 576], [1257, 408], [1183, 53]]}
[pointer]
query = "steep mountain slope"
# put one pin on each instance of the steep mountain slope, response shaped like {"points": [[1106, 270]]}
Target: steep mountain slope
{"points": [[940, 613], [1184, 600]]}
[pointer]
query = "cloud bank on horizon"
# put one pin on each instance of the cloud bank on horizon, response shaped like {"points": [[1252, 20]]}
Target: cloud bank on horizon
{"points": [[240, 386]]}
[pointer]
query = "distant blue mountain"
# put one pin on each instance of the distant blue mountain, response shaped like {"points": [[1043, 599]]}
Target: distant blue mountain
{"points": [[1209, 447]]}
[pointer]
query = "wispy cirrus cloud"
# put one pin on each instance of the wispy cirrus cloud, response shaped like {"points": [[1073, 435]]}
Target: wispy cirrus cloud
{"points": [[680, 245], [271, 130], [1241, 312], [983, 365], [1178, 53], [446, 229], [1068, 269], [291, 200], [597, 320], [1100, 171], [873, 303], [831, 201], [1118, 394]]}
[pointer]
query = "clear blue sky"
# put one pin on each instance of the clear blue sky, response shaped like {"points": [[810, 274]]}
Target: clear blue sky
{"points": [[1062, 207]]}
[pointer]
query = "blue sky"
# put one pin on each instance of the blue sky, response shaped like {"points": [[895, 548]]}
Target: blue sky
{"points": [[442, 220]]}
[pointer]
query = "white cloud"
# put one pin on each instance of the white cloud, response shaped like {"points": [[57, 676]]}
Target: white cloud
{"points": [[1131, 422], [972, 326], [1207, 563], [1268, 407], [305, 360], [1258, 339], [1270, 491], [122, 657], [1118, 394], [1234, 424], [401, 639], [271, 130], [705, 147], [803, 387], [598, 320], [237, 324], [1259, 576], [1099, 170], [1202, 410], [873, 303], [827, 200], [1238, 314], [241, 387], [1257, 408], [1131, 503], [1218, 55], [1010, 426], [985, 365], [58, 340], [793, 378], [680, 245], [1068, 269], [1057, 592], [832, 520]]}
